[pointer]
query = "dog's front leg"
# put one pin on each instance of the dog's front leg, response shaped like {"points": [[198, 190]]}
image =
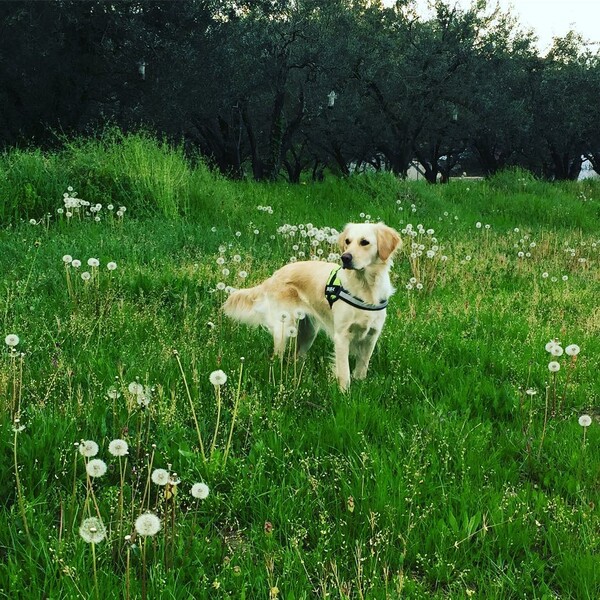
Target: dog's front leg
{"points": [[363, 357], [342, 365]]}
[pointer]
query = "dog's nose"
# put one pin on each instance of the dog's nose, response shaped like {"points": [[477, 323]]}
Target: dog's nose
{"points": [[346, 259]]}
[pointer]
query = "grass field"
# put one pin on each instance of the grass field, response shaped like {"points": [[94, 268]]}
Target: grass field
{"points": [[458, 469]]}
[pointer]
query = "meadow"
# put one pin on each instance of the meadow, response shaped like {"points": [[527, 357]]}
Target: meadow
{"points": [[150, 448]]}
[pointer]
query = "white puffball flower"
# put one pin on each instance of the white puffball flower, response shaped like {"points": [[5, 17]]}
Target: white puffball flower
{"points": [[135, 388], [76, 263], [572, 350], [11, 340], [67, 259], [93, 262], [292, 332], [299, 314], [92, 530], [111, 266], [553, 366], [218, 377], [200, 491], [551, 345], [556, 350], [86, 276], [118, 447], [160, 476], [585, 420], [147, 524], [88, 448], [96, 467]]}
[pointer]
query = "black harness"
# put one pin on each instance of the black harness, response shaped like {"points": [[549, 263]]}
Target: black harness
{"points": [[334, 290]]}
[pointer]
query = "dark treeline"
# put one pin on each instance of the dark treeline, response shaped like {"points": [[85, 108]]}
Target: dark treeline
{"points": [[266, 88]]}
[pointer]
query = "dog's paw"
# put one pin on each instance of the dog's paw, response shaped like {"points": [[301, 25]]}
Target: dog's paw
{"points": [[359, 374]]}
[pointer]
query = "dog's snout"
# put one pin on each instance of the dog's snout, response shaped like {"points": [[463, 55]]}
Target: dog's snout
{"points": [[346, 259]]}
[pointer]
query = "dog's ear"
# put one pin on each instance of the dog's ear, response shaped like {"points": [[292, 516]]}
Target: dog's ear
{"points": [[342, 237], [388, 241]]}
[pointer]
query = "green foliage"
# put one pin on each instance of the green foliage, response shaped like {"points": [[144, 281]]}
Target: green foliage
{"points": [[437, 477]]}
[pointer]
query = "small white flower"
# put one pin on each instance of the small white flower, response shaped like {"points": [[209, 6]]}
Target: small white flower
{"points": [[299, 314], [553, 366], [96, 467], [92, 530], [67, 259], [147, 524], [556, 350], [118, 447], [292, 332], [551, 345], [86, 276], [88, 448], [237, 258], [93, 262], [585, 420], [565, 277], [200, 491], [572, 350], [545, 275], [76, 263], [111, 266], [284, 316], [218, 377], [220, 286], [160, 476], [242, 274], [11, 340]]}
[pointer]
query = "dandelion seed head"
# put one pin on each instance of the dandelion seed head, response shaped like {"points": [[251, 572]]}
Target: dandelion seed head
{"points": [[585, 420], [572, 350], [218, 378], [111, 266], [200, 491], [93, 262], [553, 366], [96, 467], [11, 340], [92, 530], [86, 276], [147, 524], [160, 476], [88, 448], [67, 259], [118, 447]]}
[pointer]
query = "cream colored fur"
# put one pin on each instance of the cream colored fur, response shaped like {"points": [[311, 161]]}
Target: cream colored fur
{"points": [[369, 248]]}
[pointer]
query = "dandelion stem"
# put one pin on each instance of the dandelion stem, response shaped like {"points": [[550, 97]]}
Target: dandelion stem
{"points": [[217, 424], [20, 489], [234, 414], [95, 571], [545, 422], [189, 395]]}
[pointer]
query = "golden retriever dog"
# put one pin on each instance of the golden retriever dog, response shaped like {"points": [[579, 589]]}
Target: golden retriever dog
{"points": [[348, 302]]}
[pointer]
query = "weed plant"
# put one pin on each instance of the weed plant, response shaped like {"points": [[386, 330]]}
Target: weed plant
{"points": [[151, 449]]}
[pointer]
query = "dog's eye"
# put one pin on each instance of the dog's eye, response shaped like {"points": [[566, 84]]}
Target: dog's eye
{"points": [[364, 242], [347, 242]]}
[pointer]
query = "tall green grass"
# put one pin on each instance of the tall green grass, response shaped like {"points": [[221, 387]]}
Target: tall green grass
{"points": [[437, 477]]}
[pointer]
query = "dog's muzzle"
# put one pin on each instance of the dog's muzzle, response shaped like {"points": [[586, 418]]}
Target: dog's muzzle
{"points": [[347, 260]]}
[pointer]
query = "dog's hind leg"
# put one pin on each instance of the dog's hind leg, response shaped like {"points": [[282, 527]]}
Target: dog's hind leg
{"points": [[307, 332]]}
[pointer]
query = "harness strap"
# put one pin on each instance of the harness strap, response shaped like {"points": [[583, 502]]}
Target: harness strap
{"points": [[334, 290]]}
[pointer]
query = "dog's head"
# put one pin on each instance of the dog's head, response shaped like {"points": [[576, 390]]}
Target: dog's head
{"points": [[365, 244]]}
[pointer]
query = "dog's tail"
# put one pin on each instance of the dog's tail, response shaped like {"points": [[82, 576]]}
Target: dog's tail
{"points": [[247, 306]]}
